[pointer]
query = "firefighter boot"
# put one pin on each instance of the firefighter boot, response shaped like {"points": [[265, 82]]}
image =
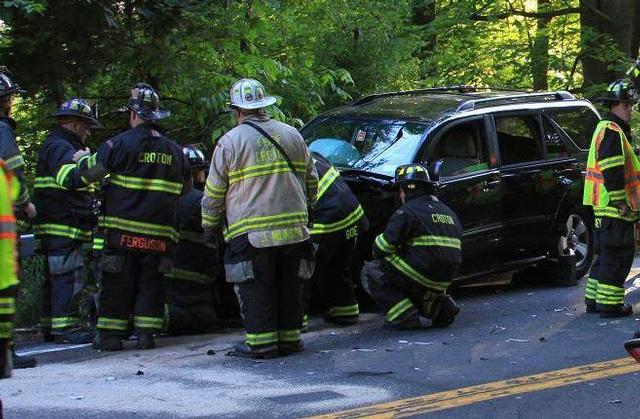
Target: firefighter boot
{"points": [[288, 348], [447, 312], [263, 352], [107, 342], [617, 310], [145, 340], [408, 320]]}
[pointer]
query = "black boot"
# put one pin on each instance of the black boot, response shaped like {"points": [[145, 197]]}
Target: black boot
{"points": [[145, 340], [23, 361], [341, 320], [409, 320], [245, 351], [617, 310], [107, 342], [287, 348], [590, 306]]}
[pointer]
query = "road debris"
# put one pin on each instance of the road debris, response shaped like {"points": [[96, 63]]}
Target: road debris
{"points": [[211, 352], [403, 341], [110, 379], [140, 372], [513, 340], [75, 396], [542, 339], [615, 401], [496, 328]]}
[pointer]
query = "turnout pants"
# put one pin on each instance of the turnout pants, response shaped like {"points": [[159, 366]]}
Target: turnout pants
{"points": [[131, 286], [402, 299], [615, 245], [64, 281], [331, 283], [189, 308], [7, 312], [268, 282]]}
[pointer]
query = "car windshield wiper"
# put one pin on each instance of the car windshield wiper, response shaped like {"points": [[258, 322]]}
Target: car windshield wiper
{"points": [[398, 136], [364, 174]]}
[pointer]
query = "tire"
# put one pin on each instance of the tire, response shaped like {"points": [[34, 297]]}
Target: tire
{"points": [[576, 232]]}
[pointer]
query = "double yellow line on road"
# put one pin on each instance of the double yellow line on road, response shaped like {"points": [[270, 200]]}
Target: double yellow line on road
{"points": [[483, 392]]}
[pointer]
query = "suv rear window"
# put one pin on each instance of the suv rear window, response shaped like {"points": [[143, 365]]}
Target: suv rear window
{"points": [[377, 146], [518, 138], [578, 123]]}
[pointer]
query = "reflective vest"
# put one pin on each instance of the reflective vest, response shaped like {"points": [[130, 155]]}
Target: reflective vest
{"points": [[9, 190], [595, 193]]}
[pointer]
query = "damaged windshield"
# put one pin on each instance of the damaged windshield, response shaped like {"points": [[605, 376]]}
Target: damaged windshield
{"points": [[377, 146]]}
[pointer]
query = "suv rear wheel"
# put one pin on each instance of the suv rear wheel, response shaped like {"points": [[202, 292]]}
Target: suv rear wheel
{"points": [[576, 234]]}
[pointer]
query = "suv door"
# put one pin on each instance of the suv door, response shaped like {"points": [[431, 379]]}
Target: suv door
{"points": [[532, 163], [470, 186]]}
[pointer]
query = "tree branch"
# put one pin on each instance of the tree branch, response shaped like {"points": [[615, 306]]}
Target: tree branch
{"points": [[536, 15]]}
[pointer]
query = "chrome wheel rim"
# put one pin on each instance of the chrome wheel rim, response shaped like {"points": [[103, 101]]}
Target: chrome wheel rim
{"points": [[575, 239]]}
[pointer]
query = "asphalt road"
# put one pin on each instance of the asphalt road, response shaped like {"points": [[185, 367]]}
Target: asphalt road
{"points": [[501, 335]]}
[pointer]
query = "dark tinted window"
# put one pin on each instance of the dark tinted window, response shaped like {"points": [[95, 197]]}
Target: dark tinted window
{"points": [[578, 123], [518, 138], [462, 149], [553, 140]]}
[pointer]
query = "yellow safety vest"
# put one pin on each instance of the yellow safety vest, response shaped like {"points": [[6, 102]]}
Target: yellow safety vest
{"points": [[595, 193], [9, 190]]}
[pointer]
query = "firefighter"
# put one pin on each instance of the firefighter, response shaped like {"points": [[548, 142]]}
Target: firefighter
{"points": [[189, 286], [9, 191], [66, 220], [262, 183], [10, 153], [147, 175], [339, 220], [611, 190], [422, 252]]}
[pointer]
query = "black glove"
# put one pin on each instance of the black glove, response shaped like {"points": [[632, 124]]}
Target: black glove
{"points": [[214, 239]]}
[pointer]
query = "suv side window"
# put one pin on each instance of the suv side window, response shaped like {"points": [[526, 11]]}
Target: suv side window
{"points": [[462, 148], [519, 138], [578, 123], [553, 140]]}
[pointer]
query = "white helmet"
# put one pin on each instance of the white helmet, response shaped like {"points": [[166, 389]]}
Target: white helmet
{"points": [[249, 94]]}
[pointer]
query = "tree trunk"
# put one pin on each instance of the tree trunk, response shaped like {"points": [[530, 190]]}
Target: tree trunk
{"points": [[424, 12], [616, 20], [540, 49]]}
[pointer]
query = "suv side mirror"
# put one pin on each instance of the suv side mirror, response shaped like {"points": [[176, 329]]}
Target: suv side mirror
{"points": [[434, 170]]}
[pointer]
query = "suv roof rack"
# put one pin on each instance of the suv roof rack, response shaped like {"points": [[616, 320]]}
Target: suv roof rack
{"points": [[454, 89], [512, 99]]}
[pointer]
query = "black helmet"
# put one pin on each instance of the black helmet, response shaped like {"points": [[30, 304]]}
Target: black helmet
{"points": [[621, 90], [79, 108], [412, 176], [7, 85], [145, 102], [196, 156]]}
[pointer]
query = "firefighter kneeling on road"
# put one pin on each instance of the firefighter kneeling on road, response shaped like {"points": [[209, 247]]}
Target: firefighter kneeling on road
{"points": [[189, 285], [422, 252], [611, 189], [339, 220]]}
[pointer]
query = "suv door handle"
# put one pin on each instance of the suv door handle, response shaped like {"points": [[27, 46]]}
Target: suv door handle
{"points": [[490, 184], [563, 172]]}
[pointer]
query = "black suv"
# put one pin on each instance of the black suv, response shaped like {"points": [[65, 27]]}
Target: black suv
{"points": [[511, 166]]}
